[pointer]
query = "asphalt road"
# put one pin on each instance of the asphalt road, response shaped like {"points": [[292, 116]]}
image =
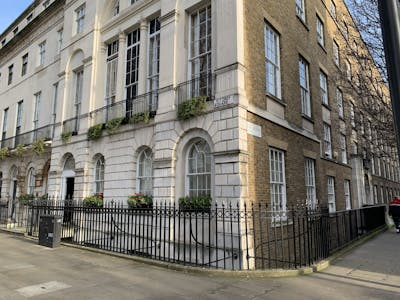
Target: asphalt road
{"points": [[29, 271]]}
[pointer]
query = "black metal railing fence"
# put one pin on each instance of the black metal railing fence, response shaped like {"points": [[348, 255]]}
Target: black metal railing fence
{"points": [[227, 237]]}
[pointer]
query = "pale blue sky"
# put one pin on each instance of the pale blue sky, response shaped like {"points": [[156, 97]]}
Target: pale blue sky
{"points": [[10, 10]]}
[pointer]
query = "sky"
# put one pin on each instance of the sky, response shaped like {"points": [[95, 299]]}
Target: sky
{"points": [[10, 10]]}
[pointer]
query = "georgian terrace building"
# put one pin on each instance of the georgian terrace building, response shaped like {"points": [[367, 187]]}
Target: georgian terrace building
{"points": [[232, 99]]}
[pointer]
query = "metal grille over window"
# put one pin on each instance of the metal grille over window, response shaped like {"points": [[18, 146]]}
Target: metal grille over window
{"points": [[199, 169]]}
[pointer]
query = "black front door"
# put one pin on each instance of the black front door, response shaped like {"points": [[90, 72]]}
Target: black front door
{"points": [[69, 194], [14, 199]]}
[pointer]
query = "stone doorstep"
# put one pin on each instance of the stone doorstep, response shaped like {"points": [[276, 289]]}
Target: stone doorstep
{"points": [[276, 273]]}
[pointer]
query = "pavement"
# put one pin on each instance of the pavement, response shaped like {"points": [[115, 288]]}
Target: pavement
{"points": [[29, 271]]}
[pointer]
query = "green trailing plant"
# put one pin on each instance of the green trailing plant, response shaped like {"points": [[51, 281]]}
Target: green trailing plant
{"points": [[140, 117], [26, 198], [113, 124], [4, 152], [138, 200], [202, 203], [95, 132], [19, 150], [192, 108], [65, 136], [93, 201], [38, 146]]}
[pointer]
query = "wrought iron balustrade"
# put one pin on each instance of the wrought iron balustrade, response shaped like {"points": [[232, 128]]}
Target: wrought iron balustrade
{"points": [[71, 125], [146, 103], [28, 138], [201, 86]]}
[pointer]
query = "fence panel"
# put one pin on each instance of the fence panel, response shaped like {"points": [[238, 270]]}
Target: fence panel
{"points": [[222, 237]]}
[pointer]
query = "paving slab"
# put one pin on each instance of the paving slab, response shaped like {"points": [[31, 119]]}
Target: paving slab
{"points": [[29, 271]]}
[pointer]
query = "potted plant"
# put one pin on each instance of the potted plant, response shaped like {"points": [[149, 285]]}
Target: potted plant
{"points": [[113, 124], [25, 198], [192, 108], [95, 201], [95, 132], [39, 146], [140, 117], [65, 136], [139, 200], [195, 203]]}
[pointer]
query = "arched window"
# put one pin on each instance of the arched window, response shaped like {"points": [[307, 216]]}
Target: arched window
{"points": [[198, 169], [145, 172], [99, 176], [31, 182]]}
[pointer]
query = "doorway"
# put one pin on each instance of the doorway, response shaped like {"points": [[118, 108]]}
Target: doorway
{"points": [[68, 188]]}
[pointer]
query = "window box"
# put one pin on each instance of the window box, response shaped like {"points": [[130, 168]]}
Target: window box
{"points": [[195, 203]]}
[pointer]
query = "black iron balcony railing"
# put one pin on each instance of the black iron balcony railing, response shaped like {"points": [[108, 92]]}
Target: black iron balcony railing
{"points": [[146, 103], [71, 125], [201, 86], [28, 138]]}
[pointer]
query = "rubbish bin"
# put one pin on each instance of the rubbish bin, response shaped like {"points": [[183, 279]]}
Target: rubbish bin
{"points": [[50, 231]]}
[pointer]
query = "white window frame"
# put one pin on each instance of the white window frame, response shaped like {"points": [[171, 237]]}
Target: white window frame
{"points": [[362, 127], [99, 171], [272, 62], [352, 115], [42, 53], [301, 10], [132, 75], [333, 10], [111, 72], [336, 53], [331, 194], [60, 40], [30, 187], [343, 143], [348, 70], [204, 152], [24, 68], [327, 141], [20, 113], [373, 164], [5, 120], [36, 110], [320, 32], [78, 76], [80, 18], [323, 84], [375, 191], [304, 80], [339, 99], [144, 182], [309, 167], [201, 78], [347, 194], [277, 180], [153, 64]]}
